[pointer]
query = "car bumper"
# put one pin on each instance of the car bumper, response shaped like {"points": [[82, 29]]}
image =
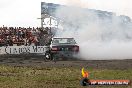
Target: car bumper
{"points": [[64, 54]]}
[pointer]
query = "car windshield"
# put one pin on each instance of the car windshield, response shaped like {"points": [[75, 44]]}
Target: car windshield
{"points": [[64, 41]]}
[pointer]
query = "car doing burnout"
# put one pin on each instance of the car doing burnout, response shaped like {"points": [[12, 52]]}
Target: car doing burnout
{"points": [[64, 47]]}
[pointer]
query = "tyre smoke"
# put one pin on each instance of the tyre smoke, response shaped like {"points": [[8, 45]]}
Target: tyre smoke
{"points": [[100, 34]]}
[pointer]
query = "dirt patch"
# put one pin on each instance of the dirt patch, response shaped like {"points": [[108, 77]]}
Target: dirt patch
{"points": [[98, 64]]}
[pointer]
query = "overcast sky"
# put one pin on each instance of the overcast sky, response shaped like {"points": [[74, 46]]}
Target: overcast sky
{"points": [[25, 12]]}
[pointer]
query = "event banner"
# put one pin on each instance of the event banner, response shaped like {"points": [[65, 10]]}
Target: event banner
{"points": [[23, 49]]}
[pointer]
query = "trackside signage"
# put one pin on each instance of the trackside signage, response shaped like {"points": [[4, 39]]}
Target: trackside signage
{"points": [[22, 49]]}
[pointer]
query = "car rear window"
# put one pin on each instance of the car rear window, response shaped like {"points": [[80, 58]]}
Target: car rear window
{"points": [[63, 41]]}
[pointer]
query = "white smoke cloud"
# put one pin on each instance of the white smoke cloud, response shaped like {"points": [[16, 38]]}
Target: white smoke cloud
{"points": [[117, 6], [102, 36]]}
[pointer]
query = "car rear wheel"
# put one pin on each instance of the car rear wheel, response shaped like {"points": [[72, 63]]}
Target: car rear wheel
{"points": [[48, 57]]}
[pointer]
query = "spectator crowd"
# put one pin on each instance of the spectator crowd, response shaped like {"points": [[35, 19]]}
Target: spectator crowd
{"points": [[10, 36]]}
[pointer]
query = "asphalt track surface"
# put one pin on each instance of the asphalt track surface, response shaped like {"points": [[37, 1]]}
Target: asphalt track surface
{"points": [[99, 64]]}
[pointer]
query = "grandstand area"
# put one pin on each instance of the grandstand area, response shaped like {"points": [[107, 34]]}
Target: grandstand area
{"points": [[18, 36]]}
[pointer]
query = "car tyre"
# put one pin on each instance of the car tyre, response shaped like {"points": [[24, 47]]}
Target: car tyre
{"points": [[48, 57]]}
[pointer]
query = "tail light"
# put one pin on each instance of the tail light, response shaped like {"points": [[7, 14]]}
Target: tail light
{"points": [[76, 48], [54, 48]]}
